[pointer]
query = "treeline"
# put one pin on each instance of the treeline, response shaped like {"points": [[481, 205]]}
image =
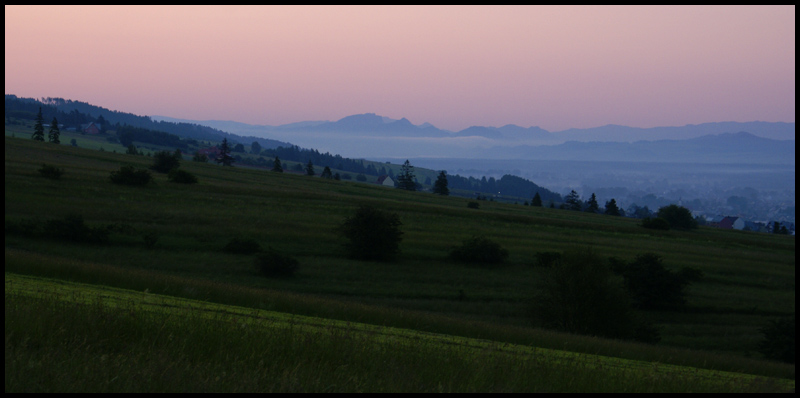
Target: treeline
{"points": [[76, 113], [128, 134], [296, 154], [508, 185], [130, 128]]}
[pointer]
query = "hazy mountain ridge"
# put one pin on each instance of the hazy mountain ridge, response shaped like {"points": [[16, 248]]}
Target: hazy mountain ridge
{"points": [[371, 135]]}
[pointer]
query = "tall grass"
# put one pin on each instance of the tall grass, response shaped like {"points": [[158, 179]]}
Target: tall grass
{"points": [[80, 343]]}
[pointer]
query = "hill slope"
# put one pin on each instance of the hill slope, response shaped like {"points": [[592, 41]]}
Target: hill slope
{"points": [[168, 238]]}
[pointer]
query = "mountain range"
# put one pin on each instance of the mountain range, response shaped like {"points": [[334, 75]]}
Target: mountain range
{"points": [[372, 135]]}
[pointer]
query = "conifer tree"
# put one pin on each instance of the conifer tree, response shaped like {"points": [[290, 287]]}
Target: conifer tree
{"points": [[537, 200], [225, 154], [310, 169], [405, 180], [591, 205], [441, 184], [38, 128], [276, 166], [54, 132], [573, 201], [611, 208]]}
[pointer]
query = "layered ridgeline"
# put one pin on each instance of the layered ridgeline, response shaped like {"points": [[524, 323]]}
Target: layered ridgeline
{"points": [[125, 129]]}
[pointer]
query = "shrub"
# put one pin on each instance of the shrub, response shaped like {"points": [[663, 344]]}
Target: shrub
{"points": [[127, 175], [73, 228], [242, 246], [473, 205], [778, 343], [479, 250], [655, 223], [373, 234], [182, 177], [653, 287], [678, 217], [274, 264], [581, 295], [51, 172], [165, 161]]}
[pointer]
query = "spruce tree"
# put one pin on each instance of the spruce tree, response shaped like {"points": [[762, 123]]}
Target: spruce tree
{"points": [[276, 166], [537, 200], [310, 169], [441, 184], [326, 173], [573, 201], [591, 205], [38, 128], [225, 154], [611, 208], [405, 180], [54, 132]]}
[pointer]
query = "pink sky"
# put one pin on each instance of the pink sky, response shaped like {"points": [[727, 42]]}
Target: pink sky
{"points": [[556, 67]]}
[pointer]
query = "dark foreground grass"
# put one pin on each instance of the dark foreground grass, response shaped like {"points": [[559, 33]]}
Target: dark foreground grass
{"points": [[106, 340]]}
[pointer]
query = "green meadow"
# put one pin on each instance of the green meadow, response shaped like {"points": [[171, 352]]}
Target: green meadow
{"points": [[161, 306]]}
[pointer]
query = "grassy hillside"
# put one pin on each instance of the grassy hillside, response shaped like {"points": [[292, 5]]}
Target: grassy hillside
{"points": [[108, 339], [749, 277]]}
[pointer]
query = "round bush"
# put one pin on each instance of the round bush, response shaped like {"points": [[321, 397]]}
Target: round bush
{"points": [[479, 250], [127, 175], [373, 234], [182, 176], [51, 172]]}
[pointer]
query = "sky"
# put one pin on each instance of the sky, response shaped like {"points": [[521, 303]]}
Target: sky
{"points": [[556, 67]]}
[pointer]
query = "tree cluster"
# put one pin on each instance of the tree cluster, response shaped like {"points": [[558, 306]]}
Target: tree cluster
{"points": [[372, 234]]}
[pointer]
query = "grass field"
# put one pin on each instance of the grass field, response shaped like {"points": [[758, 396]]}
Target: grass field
{"points": [[749, 277], [110, 331]]}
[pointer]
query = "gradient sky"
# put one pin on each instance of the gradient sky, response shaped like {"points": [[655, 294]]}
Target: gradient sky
{"points": [[556, 67]]}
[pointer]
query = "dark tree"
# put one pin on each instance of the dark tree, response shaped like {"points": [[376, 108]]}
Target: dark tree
{"points": [[238, 148], [310, 169], [591, 205], [573, 201], [326, 173], [165, 161], [255, 148], [779, 339], [479, 250], [38, 128], [678, 217], [652, 286], [54, 132], [441, 184], [579, 294], [276, 165], [405, 180], [373, 234], [537, 200], [611, 208], [225, 154]]}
